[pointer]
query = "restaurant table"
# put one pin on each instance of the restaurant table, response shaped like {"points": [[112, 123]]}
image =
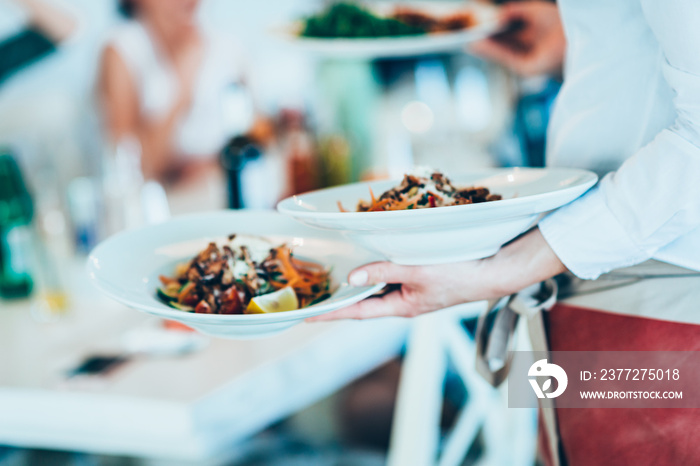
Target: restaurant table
{"points": [[194, 407]]}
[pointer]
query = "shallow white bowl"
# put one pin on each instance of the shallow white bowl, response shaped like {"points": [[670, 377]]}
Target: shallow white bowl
{"points": [[444, 234], [126, 267], [357, 48]]}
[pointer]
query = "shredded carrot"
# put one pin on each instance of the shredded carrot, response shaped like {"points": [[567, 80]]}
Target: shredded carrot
{"points": [[404, 203], [287, 269], [377, 205], [185, 291], [167, 280], [301, 280]]}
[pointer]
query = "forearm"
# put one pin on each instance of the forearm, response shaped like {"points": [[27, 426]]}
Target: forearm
{"points": [[522, 263]]}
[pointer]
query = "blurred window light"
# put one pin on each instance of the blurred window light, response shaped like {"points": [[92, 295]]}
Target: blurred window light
{"points": [[12, 19], [399, 154], [474, 108], [432, 85], [417, 117], [54, 222], [237, 109], [154, 202]]}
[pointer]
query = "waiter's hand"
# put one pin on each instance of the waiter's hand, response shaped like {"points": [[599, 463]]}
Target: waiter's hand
{"points": [[524, 262], [533, 42]]}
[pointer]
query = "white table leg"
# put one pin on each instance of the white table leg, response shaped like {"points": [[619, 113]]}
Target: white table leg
{"points": [[416, 427]]}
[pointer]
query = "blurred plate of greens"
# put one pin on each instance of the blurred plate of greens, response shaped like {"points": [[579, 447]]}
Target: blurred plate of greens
{"points": [[391, 29]]}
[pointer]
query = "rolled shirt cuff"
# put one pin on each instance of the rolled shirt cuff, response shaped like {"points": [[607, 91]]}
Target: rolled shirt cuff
{"points": [[587, 237]]}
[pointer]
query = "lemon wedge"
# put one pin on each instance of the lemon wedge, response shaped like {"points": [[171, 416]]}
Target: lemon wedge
{"points": [[281, 300]]}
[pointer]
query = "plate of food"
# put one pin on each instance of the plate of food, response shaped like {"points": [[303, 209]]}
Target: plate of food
{"points": [[230, 274], [391, 29], [428, 218]]}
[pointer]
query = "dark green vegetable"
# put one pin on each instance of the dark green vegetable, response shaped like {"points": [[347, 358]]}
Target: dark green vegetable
{"points": [[348, 20], [320, 298], [180, 307], [164, 296]]}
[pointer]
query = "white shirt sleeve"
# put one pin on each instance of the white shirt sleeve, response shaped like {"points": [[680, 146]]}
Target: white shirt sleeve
{"points": [[654, 198]]}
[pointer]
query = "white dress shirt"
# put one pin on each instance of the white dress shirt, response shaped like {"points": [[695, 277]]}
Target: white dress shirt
{"points": [[630, 102]]}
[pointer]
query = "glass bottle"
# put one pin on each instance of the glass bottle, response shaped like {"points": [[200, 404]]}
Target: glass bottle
{"points": [[16, 213]]}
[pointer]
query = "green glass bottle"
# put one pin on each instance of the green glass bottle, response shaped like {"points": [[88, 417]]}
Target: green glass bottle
{"points": [[16, 212]]}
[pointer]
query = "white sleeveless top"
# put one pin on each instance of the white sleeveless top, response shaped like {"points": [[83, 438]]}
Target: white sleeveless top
{"points": [[201, 131]]}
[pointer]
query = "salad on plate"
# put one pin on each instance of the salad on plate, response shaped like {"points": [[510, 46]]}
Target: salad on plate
{"points": [[424, 189], [352, 21], [244, 277]]}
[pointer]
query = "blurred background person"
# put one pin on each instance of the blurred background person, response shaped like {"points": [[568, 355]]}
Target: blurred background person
{"points": [[532, 48], [47, 26], [162, 76]]}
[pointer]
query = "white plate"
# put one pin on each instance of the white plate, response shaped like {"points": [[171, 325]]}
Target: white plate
{"points": [[444, 234], [486, 24], [126, 267]]}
